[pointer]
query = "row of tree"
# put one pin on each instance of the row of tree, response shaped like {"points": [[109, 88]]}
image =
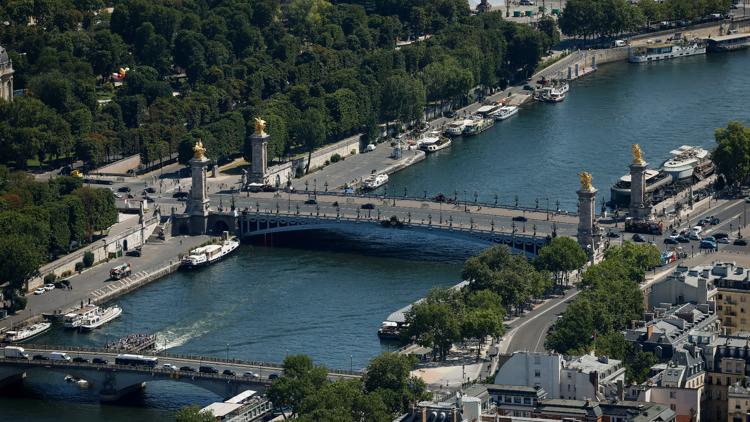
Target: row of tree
{"points": [[611, 300], [594, 18], [732, 154], [316, 70], [499, 283], [386, 391], [42, 220]]}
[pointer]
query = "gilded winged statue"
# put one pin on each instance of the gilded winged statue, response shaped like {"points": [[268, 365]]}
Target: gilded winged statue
{"points": [[260, 126], [585, 180], [637, 154], [199, 150]]}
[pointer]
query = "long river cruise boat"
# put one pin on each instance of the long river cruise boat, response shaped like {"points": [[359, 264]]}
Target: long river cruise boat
{"points": [[666, 51], [209, 254]]}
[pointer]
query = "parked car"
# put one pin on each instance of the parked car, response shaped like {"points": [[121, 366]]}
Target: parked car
{"points": [[39, 291], [450, 114], [187, 368], [134, 252], [150, 189], [707, 244], [170, 367], [682, 239], [250, 374], [311, 202], [49, 286], [693, 236], [206, 369], [520, 218], [613, 234], [39, 357], [526, 2], [124, 189], [740, 242], [723, 240], [179, 195], [670, 241], [79, 359], [368, 206], [273, 376], [370, 148], [638, 238], [721, 235], [99, 361], [229, 372]]}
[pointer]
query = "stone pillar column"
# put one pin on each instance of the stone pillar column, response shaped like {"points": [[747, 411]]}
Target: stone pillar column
{"points": [[638, 207], [259, 145], [586, 218], [199, 203]]}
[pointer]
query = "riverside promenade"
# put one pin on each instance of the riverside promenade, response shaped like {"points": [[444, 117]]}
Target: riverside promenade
{"points": [[157, 260]]}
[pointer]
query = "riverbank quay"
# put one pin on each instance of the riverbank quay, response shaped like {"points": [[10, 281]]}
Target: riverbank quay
{"points": [[156, 261]]}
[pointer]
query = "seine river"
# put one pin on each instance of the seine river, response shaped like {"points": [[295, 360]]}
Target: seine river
{"points": [[267, 302]]}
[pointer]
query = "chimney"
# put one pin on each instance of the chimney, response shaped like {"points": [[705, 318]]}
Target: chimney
{"points": [[424, 414], [649, 331], [454, 414], [620, 391]]}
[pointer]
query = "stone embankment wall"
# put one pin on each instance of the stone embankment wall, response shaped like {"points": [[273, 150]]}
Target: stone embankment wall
{"points": [[128, 239], [135, 281], [282, 172]]}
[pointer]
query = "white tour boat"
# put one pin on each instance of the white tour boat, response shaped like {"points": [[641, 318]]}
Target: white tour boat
{"points": [[375, 181], [433, 142], [75, 319], [100, 317], [505, 112], [477, 125], [206, 255], [27, 333], [666, 51], [456, 127], [684, 161]]}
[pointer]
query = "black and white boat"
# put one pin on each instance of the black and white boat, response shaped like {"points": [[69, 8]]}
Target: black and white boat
{"points": [[209, 254]]}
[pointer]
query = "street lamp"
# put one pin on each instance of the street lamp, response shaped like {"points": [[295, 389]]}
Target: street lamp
{"points": [[516, 200], [306, 185], [475, 197], [326, 185], [227, 351], [404, 191], [495, 199], [465, 200]]}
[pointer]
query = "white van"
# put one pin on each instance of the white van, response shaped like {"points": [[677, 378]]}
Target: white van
{"points": [[370, 148], [619, 43], [59, 356]]}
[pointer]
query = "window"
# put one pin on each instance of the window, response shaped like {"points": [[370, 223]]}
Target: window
{"points": [[537, 360], [673, 406], [517, 400], [537, 373], [527, 400], [672, 395], [720, 296]]}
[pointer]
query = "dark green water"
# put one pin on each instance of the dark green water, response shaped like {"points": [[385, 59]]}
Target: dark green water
{"points": [[267, 302]]}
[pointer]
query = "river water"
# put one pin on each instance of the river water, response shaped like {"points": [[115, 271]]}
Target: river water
{"points": [[271, 300]]}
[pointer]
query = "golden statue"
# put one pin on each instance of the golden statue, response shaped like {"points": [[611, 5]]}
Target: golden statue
{"points": [[199, 150], [637, 154], [260, 126], [585, 180]]}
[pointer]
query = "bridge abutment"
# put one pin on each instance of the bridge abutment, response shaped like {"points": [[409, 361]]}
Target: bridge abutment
{"points": [[10, 376]]}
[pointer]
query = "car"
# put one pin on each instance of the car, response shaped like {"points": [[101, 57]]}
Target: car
{"points": [[638, 238], [229, 372], [710, 239], [450, 114], [134, 252], [99, 361], [179, 195], [526, 2], [79, 359], [150, 189], [747, 199], [269, 188], [707, 244], [520, 218], [124, 189], [118, 195], [740, 242], [670, 241], [723, 240], [697, 229], [39, 291], [528, 88], [674, 235], [250, 374], [370, 148], [39, 357], [273, 376], [612, 234], [311, 202], [368, 206], [714, 221], [170, 367], [187, 369], [682, 239], [693, 236], [49, 286], [206, 369], [721, 235]]}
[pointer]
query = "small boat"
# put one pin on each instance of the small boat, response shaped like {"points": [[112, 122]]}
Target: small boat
{"points": [[101, 317], [550, 94], [75, 319], [477, 125], [389, 330], [209, 254], [433, 142], [375, 181], [505, 112], [17, 336], [456, 127]]}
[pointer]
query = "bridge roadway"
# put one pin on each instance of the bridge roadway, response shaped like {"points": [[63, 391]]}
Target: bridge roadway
{"points": [[458, 215], [111, 381]]}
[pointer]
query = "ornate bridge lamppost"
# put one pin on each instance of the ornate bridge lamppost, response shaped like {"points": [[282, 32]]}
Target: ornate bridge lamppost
{"points": [[326, 185], [476, 197], [450, 222], [404, 191], [307, 183], [297, 206], [315, 186], [516, 200], [495, 199]]}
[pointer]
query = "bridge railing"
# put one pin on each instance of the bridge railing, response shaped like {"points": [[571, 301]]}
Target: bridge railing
{"points": [[195, 358], [543, 207]]}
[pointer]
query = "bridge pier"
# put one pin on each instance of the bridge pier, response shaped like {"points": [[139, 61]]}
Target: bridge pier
{"points": [[108, 396], [10, 376]]}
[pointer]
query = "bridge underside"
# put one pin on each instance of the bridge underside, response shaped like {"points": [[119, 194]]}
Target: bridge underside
{"points": [[253, 225]]}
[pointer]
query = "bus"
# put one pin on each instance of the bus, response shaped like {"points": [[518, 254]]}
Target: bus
{"points": [[136, 360]]}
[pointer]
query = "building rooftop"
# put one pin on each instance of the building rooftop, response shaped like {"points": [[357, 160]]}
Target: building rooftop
{"points": [[587, 364]]}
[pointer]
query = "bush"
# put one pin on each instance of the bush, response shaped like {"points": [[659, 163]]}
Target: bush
{"points": [[335, 158], [50, 278], [88, 259], [66, 273], [79, 266], [17, 303], [327, 163]]}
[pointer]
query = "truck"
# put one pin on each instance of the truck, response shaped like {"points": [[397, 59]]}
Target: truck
{"points": [[120, 271], [59, 356], [644, 226], [15, 352]]}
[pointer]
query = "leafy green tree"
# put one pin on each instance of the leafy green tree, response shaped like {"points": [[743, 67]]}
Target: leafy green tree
{"points": [[344, 401], [732, 154], [561, 256], [193, 413], [99, 209], [433, 325], [311, 132], [300, 379], [388, 375], [482, 323], [19, 260]]}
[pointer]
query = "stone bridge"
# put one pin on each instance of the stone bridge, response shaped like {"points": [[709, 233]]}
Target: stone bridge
{"points": [[111, 382]]}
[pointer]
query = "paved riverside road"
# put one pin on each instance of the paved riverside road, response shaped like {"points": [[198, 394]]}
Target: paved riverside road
{"points": [[154, 256]]}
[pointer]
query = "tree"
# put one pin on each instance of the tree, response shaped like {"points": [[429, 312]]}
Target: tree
{"points": [[481, 323], [193, 413], [311, 132], [300, 379], [433, 325], [99, 209], [19, 260], [344, 401], [388, 376], [732, 154], [561, 256]]}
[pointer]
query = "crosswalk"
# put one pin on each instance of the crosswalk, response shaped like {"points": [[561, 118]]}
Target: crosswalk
{"points": [[118, 285]]}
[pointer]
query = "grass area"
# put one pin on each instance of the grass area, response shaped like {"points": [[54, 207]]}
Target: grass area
{"points": [[235, 167]]}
